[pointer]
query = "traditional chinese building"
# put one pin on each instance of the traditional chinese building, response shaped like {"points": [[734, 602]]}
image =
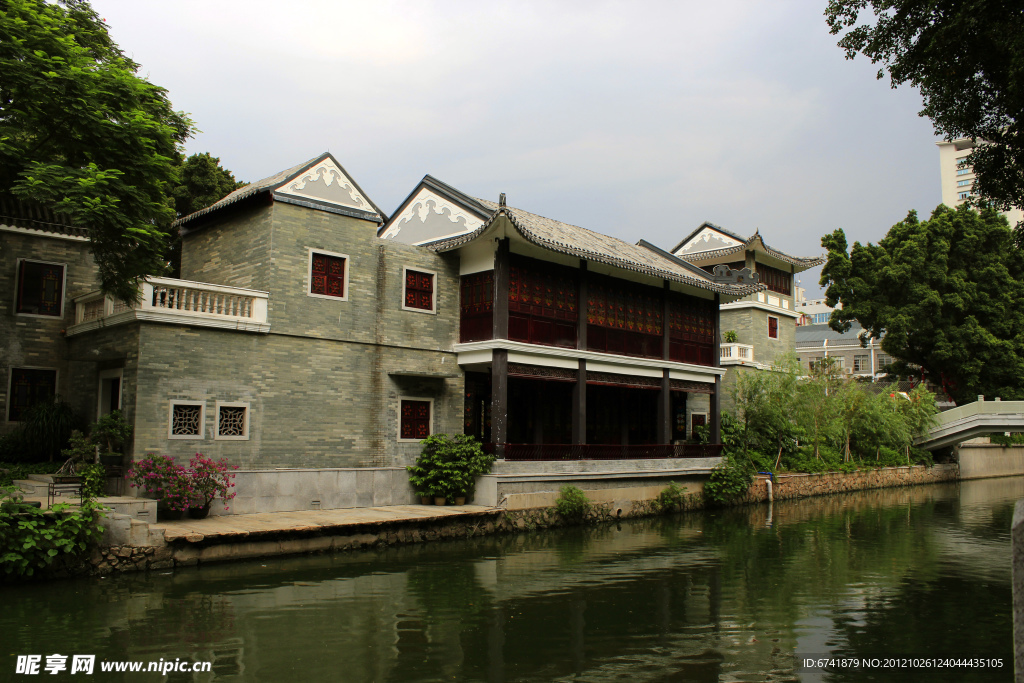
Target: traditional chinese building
{"points": [[313, 341]]}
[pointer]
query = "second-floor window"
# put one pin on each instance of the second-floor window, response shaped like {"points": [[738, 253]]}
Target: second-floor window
{"points": [[328, 275], [419, 291], [40, 288], [773, 327], [777, 280]]}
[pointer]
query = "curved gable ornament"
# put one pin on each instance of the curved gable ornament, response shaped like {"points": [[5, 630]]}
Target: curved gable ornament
{"points": [[326, 183], [708, 240], [430, 217]]}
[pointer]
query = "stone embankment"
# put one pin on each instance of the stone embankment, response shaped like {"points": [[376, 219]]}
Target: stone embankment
{"points": [[130, 545]]}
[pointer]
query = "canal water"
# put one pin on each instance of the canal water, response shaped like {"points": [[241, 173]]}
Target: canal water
{"points": [[744, 594]]}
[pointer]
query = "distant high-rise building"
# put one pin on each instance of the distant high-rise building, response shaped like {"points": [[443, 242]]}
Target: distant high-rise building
{"points": [[958, 177]]}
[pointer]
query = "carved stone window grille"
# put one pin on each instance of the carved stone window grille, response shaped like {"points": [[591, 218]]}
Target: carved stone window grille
{"points": [[186, 421], [419, 290], [232, 421], [327, 275]]}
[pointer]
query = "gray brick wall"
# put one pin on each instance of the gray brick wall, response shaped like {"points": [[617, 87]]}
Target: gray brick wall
{"points": [[235, 251], [31, 341]]}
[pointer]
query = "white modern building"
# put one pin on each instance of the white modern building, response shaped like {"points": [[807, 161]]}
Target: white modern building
{"points": [[958, 176]]}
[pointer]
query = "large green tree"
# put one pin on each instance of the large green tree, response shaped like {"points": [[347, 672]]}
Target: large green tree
{"points": [[967, 59], [946, 293], [202, 181], [82, 134]]}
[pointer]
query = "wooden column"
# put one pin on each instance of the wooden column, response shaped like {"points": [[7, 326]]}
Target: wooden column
{"points": [[665, 396], [579, 392], [501, 290], [499, 400], [499, 357], [715, 417], [579, 405]]}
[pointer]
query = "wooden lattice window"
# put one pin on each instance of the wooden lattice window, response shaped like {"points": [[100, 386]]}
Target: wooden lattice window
{"points": [[29, 387], [773, 327], [327, 275], [415, 419], [777, 280], [419, 290], [476, 306], [40, 288]]}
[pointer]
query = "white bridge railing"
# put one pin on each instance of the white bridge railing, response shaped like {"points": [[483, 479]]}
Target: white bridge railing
{"points": [[169, 300]]}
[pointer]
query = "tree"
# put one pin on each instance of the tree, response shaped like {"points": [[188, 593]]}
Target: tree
{"points": [[967, 59], [83, 135], [202, 181], [945, 296]]}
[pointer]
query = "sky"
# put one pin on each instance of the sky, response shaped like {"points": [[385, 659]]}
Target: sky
{"points": [[636, 119]]}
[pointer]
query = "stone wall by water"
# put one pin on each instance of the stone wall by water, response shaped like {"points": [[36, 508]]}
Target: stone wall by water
{"points": [[803, 485]]}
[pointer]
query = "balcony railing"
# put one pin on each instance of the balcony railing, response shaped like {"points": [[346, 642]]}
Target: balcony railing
{"points": [[530, 451], [737, 353], [177, 301]]}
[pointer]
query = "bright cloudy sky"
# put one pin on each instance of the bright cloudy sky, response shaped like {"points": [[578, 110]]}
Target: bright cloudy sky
{"points": [[635, 119]]}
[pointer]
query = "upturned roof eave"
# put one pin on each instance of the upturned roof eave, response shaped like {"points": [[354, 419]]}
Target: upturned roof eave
{"points": [[529, 236]]}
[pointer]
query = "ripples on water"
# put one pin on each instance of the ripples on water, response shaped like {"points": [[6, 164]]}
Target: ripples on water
{"points": [[732, 595]]}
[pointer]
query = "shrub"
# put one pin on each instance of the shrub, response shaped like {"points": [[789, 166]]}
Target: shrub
{"points": [[448, 465], [110, 432], [31, 539], [80, 449], [9, 471], [728, 481], [94, 478], [48, 427], [670, 499], [572, 503], [1014, 439], [158, 476], [210, 479]]}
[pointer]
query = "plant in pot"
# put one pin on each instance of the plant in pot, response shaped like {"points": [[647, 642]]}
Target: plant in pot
{"points": [[729, 336], [110, 433], [209, 479], [447, 467], [159, 477]]}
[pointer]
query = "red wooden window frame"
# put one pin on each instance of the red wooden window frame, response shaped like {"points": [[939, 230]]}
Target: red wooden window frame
{"points": [[777, 280], [414, 419], [773, 327], [327, 275], [419, 290], [40, 288]]}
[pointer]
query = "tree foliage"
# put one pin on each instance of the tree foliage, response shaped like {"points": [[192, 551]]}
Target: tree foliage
{"points": [[202, 182], [946, 293], [967, 59], [83, 135]]}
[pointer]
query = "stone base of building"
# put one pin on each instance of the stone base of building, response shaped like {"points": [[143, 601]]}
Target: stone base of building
{"points": [[978, 461]]}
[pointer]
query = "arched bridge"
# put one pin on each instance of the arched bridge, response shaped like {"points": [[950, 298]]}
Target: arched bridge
{"points": [[971, 420]]}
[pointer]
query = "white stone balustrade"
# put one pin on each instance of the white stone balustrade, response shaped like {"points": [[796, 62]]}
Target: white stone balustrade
{"points": [[737, 353], [168, 300]]}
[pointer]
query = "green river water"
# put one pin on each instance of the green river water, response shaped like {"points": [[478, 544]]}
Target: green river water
{"points": [[744, 594]]}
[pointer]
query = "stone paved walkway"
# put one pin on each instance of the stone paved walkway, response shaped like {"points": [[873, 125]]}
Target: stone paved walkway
{"points": [[259, 523]]}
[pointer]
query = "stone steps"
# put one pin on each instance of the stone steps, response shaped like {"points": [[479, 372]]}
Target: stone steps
{"points": [[31, 487]]}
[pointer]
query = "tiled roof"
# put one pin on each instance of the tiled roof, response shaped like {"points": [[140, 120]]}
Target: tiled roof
{"points": [[816, 334], [593, 246], [800, 262], [249, 190], [17, 213]]}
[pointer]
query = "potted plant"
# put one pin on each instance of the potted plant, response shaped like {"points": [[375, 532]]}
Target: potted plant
{"points": [[158, 476], [110, 433], [209, 479], [729, 336], [447, 467]]}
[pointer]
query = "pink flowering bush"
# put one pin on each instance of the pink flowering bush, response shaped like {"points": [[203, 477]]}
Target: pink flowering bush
{"points": [[178, 487], [158, 476], [210, 479]]}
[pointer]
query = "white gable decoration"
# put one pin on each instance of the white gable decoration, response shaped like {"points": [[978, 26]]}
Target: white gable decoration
{"points": [[428, 218], [326, 182], [707, 239]]}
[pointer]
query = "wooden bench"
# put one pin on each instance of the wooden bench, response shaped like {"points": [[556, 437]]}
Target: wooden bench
{"points": [[63, 485]]}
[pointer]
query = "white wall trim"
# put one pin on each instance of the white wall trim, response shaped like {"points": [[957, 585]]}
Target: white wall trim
{"points": [[202, 420], [217, 436]]}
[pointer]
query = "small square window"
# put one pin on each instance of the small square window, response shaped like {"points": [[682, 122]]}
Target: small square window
{"points": [[419, 291], [232, 421], [186, 420], [773, 327], [40, 288], [328, 275], [29, 386], [414, 419]]}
